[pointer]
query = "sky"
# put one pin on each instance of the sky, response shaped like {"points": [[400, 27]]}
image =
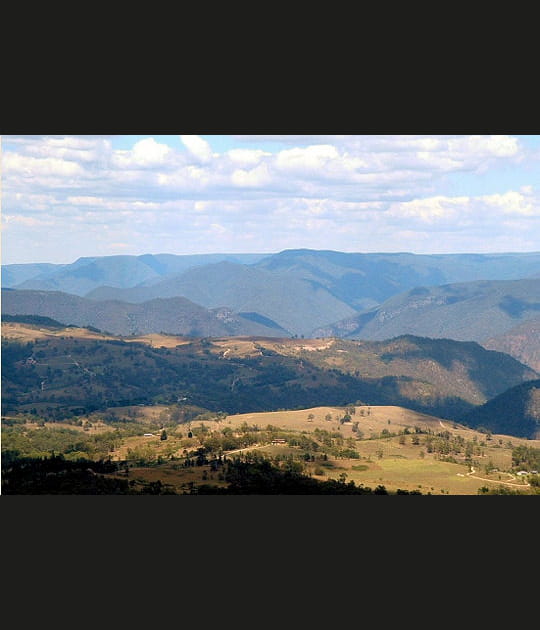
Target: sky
{"points": [[64, 197]]}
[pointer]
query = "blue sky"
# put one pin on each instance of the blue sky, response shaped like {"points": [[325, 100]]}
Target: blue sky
{"points": [[70, 196]]}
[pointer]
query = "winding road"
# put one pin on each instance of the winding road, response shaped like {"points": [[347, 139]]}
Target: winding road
{"points": [[506, 483]]}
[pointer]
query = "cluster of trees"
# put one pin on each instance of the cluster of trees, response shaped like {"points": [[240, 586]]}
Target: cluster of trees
{"points": [[58, 475], [254, 474], [526, 457], [68, 442]]}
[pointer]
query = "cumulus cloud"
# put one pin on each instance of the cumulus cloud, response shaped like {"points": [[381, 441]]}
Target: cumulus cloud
{"points": [[148, 151], [255, 178], [27, 166], [310, 159], [463, 212], [246, 157], [145, 153], [198, 147]]}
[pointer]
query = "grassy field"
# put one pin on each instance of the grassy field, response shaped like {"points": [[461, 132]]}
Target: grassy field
{"points": [[385, 454], [372, 420], [173, 475], [382, 460], [29, 332], [98, 427]]}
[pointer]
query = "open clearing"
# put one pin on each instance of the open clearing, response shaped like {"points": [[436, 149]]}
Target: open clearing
{"points": [[372, 420], [29, 332]]}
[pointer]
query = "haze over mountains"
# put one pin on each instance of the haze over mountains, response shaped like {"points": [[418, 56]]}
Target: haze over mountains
{"points": [[464, 311], [86, 274], [176, 315], [295, 292]]}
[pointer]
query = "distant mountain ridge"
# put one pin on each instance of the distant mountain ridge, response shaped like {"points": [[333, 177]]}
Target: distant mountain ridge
{"points": [[88, 273], [294, 303], [471, 311], [173, 315], [306, 292]]}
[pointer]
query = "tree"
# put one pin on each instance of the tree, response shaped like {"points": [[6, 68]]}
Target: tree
{"points": [[311, 417], [163, 435], [328, 417]]}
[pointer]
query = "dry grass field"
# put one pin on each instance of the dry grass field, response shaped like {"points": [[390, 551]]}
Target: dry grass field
{"points": [[383, 460], [29, 332], [157, 340], [96, 428], [372, 420]]}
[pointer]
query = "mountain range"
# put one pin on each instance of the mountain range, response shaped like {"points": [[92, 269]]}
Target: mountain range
{"points": [[465, 311], [311, 292], [88, 273], [176, 315]]}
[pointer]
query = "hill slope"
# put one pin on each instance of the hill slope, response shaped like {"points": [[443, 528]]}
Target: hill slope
{"points": [[521, 342], [472, 311], [428, 370], [515, 412], [174, 315], [439, 377]]}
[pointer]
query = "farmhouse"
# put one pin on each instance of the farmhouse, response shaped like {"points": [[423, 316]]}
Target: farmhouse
{"points": [[148, 435], [279, 441]]}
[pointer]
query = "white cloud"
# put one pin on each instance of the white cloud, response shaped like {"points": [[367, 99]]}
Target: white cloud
{"points": [[431, 209], [246, 157], [334, 192], [309, 159], [513, 202], [256, 177], [85, 149], [148, 151], [145, 153], [492, 146], [468, 210], [27, 166], [198, 147]]}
